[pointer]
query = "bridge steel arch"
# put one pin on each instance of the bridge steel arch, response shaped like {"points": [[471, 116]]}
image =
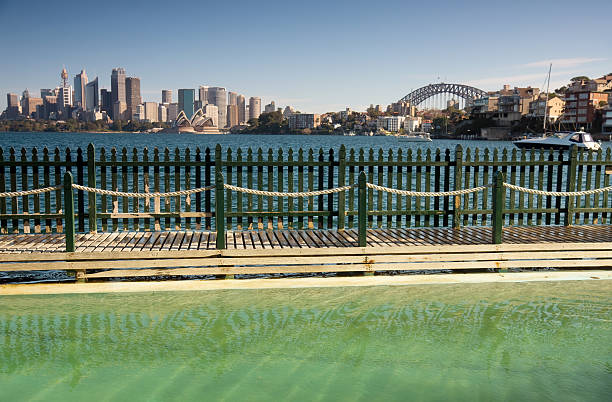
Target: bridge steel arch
{"points": [[464, 91]]}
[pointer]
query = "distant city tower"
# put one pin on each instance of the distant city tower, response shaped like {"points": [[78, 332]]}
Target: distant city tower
{"points": [[64, 77]]}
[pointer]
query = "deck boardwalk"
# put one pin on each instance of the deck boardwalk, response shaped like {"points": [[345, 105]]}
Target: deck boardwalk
{"points": [[287, 239], [151, 255]]}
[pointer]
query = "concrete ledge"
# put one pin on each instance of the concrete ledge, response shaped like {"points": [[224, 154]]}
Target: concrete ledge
{"points": [[399, 280]]}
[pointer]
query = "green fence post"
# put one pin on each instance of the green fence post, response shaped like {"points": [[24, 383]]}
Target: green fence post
{"points": [[220, 210], [68, 212], [571, 185], [362, 209], [499, 200], [341, 183], [457, 186], [91, 182]]}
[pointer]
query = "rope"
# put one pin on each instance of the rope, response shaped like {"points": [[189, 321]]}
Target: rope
{"points": [[427, 193], [142, 195], [30, 192], [557, 193], [294, 195]]}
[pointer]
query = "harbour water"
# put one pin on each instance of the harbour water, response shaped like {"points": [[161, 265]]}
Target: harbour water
{"points": [[521, 341], [182, 141]]}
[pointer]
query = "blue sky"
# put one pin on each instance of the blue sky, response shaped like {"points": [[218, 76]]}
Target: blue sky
{"points": [[315, 55]]}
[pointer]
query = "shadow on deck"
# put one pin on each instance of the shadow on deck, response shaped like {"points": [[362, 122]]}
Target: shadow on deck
{"points": [[286, 239]]}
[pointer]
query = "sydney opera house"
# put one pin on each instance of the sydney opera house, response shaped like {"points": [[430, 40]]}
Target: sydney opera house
{"points": [[198, 124]]}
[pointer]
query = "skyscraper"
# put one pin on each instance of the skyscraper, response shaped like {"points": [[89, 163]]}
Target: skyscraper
{"points": [[12, 105], [119, 112], [173, 111], [46, 92], [254, 107], [117, 88], [106, 101], [186, 98], [240, 102], [232, 116], [232, 98], [218, 97], [151, 112], [132, 96], [162, 113], [29, 104], [203, 95], [64, 97], [166, 96], [92, 100], [80, 81]]}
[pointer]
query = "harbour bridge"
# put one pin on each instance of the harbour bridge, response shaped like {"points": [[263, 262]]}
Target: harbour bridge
{"points": [[437, 95]]}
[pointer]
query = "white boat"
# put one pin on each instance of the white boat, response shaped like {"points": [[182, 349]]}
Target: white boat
{"points": [[414, 137], [561, 141]]}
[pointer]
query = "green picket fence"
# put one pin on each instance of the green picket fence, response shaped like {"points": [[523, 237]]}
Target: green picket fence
{"points": [[144, 171]]}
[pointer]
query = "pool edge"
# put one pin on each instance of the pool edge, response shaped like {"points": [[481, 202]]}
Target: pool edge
{"points": [[399, 280]]}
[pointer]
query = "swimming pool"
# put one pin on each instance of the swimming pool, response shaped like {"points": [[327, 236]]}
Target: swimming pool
{"points": [[519, 341]]}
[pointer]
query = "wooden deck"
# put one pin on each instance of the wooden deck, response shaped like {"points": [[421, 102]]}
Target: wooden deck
{"points": [[287, 239], [151, 255]]}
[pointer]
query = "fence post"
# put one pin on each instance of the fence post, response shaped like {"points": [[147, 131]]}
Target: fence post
{"points": [[91, 182], [499, 200], [69, 212], [571, 185], [341, 183], [220, 210], [457, 186], [362, 217]]}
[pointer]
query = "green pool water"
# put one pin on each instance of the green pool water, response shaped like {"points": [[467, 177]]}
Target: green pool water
{"points": [[514, 342]]}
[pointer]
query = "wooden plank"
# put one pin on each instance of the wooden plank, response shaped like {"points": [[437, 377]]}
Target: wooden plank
{"points": [[351, 268], [523, 251]]}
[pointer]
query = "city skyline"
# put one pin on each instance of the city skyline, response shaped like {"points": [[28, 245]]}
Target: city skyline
{"points": [[316, 60]]}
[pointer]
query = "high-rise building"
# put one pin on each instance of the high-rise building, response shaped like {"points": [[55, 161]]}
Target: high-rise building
{"points": [[203, 95], [80, 97], [92, 100], [139, 115], [186, 98], [254, 107], [232, 116], [232, 98], [151, 112], [49, 107], [162, 113], [132, 95], [166, 96], [212, 111], [46, 92], [29, 104], [23, 104], [12, 100], [173, 111], [64, 96], [117, 88], [119, 111], [240, 102], [218, 97], [106, 101], [270, 107]]}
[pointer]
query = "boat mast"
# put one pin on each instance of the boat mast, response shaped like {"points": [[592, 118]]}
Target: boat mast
{"points": [[546, 104]]}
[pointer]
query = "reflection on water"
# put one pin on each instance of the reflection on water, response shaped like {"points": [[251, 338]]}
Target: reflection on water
{"points": [[496, 341]]}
